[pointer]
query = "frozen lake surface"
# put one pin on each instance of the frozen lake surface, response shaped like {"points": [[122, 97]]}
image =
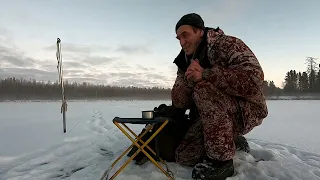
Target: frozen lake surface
{"points": [[33, 145]]}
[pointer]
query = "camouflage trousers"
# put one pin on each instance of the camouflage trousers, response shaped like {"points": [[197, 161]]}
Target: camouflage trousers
{"points": [[214, 132]]}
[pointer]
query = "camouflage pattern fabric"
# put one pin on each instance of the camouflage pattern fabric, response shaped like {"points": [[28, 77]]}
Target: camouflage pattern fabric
{"points": [[229, 99]]}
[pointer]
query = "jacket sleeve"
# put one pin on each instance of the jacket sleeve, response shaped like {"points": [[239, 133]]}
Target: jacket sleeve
{"points": [[181, 93], [243, 77]]}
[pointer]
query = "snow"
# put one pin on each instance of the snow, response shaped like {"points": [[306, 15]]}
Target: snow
{"points": [[33, 145]]}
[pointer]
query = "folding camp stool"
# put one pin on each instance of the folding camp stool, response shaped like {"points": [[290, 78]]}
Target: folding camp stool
{"points": [[149, 125]]}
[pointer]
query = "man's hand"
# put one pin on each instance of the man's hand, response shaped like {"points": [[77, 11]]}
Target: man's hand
{"points": [[194, 71]]}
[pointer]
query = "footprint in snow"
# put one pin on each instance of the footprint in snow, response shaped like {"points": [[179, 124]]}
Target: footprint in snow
{"points": [[97, 123], [316, 172], [106, 153], [262, 155], [29, 166], [65, 173]]}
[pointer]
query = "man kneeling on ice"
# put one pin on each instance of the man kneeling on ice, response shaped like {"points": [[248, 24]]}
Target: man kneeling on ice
{"points": [[220, 79]]}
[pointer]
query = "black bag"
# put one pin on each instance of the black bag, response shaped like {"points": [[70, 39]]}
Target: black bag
{"points": [[166, 142]]}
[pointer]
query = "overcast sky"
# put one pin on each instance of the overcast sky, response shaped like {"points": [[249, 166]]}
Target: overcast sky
{"points": [[125, 42]]}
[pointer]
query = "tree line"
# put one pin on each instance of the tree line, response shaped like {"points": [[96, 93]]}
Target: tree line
{"points": [[303, 83], [11, 88]]}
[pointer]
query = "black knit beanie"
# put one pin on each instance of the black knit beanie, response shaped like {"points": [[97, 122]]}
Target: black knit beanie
{"points": [[191, 19]]}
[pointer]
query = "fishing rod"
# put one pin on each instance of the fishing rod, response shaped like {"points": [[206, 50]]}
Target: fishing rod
{"points": [[60, 71]]}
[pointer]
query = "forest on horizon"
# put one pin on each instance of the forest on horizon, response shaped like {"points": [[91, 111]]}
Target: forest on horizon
{"points": [[296, 84]]}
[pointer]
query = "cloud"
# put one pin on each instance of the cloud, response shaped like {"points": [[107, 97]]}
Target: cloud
{"points": [[122, 65], [156, 76], [5, 36], [82, 64], [10, 56], [77, 48], [123, 74], [173, 69], [14, 58], [27, 73], [83, 56], [90, 80], [3, 31], [141, 82], [69, 48], [138, 77], [75, 72], [120, 74], [98, 60], [74, 64], [139, 66], [133, 49]]}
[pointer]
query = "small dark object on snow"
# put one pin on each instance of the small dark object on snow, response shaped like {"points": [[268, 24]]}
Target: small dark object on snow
{"points": [[213, 171]]}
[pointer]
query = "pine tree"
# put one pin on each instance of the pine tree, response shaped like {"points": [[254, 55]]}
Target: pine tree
{"points": [[266, 88], [272, 87], [291, 82], [317, 83], [299, 82], [295, 80], [287, 82], [304, 82], [312, 80]]}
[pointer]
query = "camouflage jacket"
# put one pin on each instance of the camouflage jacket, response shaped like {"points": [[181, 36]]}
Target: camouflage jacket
{"points": [[233, 69]]}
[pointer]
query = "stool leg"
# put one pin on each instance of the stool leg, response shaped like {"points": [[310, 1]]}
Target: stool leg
{"points": [[134, 143], [134, 134], [161, 160], [146, 144]]}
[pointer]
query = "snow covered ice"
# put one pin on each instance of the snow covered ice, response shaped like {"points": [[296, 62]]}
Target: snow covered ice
{"points": [[33, 145]]}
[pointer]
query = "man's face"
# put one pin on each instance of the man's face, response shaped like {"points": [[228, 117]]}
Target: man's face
{"points": [[189, 38]]}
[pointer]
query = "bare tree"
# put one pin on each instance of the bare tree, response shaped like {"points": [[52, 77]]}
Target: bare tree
{"points": [[312, 68], [312, 64]]}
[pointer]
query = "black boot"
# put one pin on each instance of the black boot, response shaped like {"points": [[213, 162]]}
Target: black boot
{"points": [[241, 144], [213, 170]]}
